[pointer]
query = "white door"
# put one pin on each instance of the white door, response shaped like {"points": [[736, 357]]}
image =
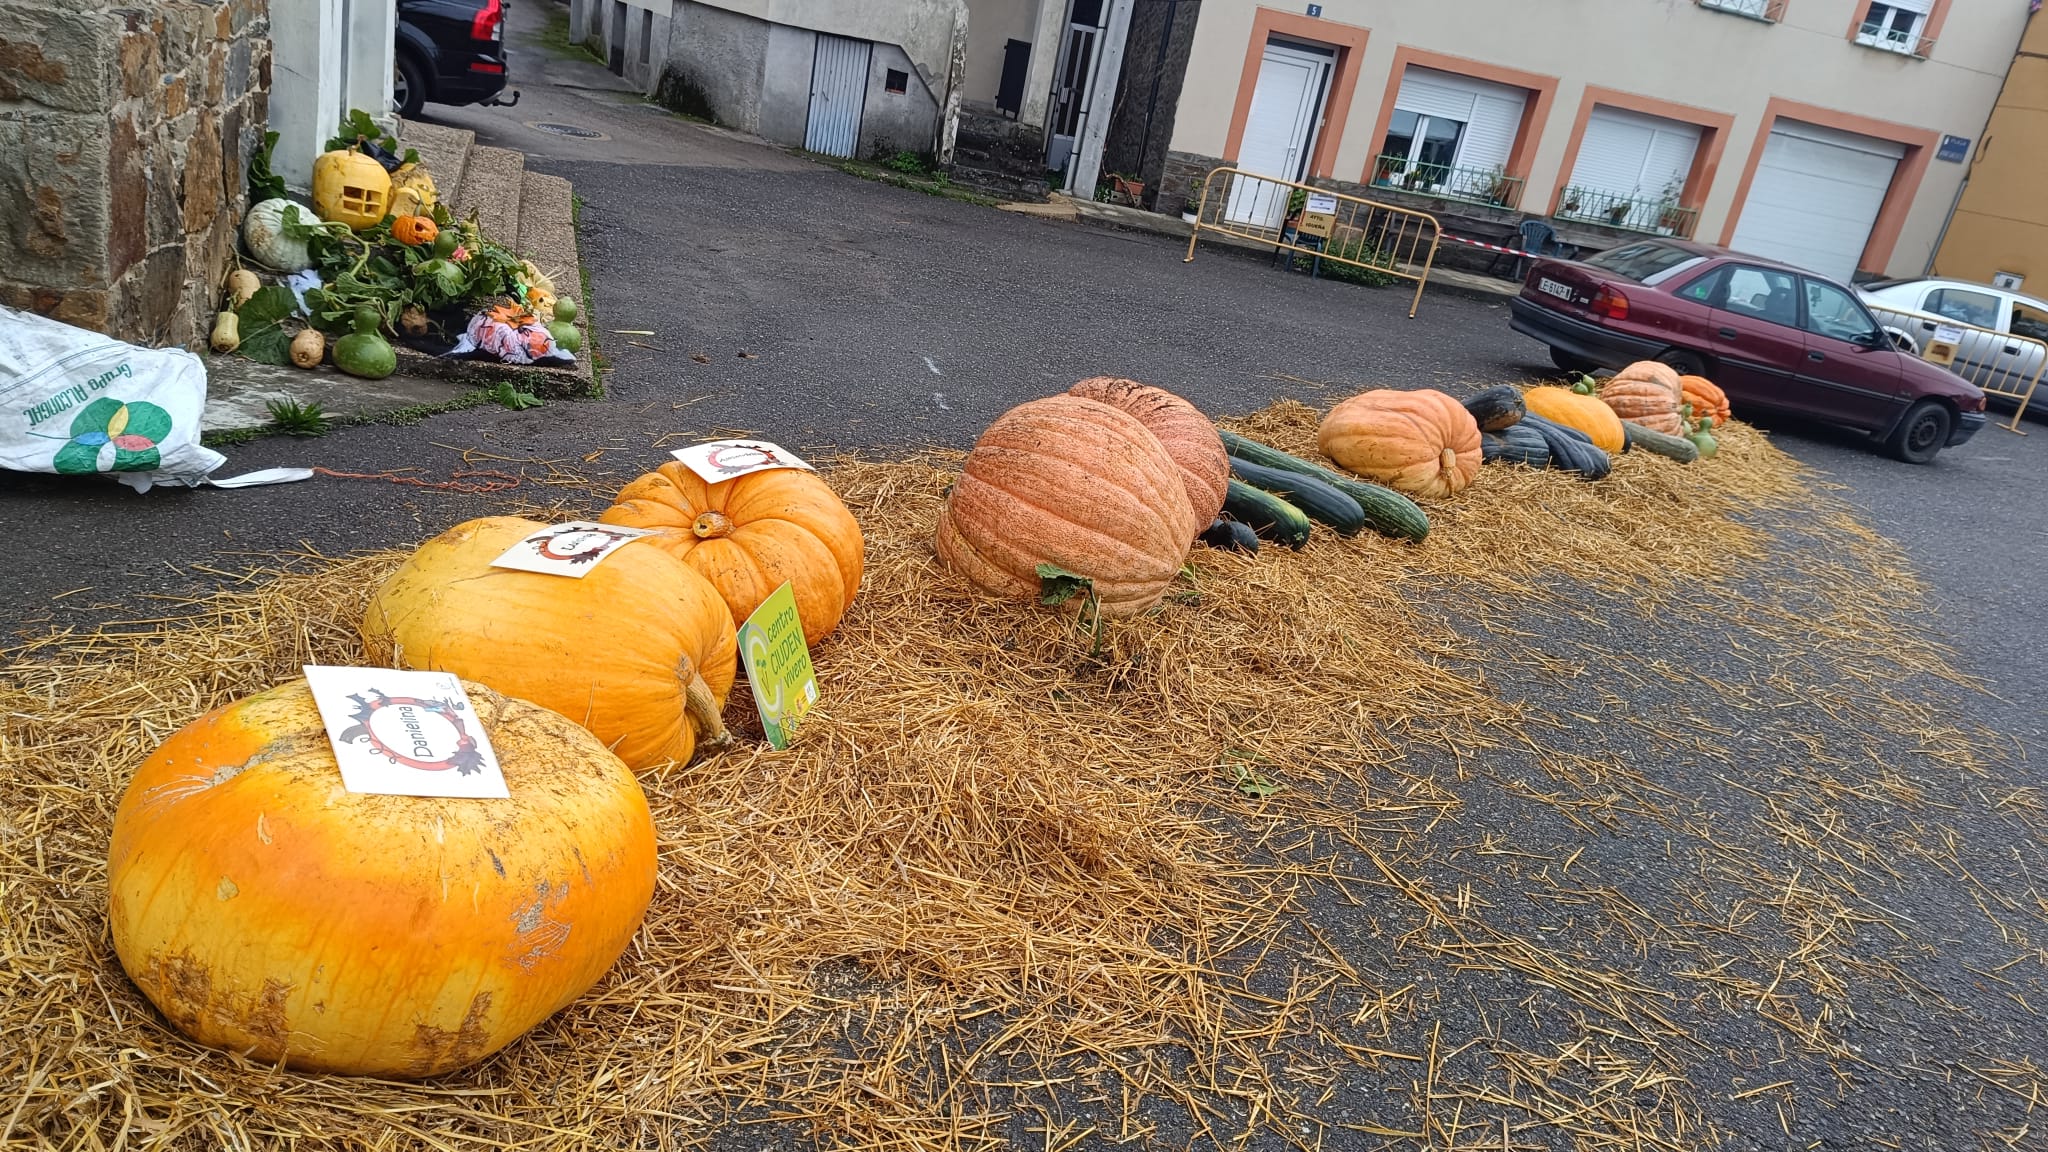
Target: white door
{"points": [[1628, 165], [839, 87], [1279, 132], [1816, 196]]}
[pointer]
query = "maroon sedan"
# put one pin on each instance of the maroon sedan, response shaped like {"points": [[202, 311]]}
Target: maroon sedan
{"points": [[1773, 337]]}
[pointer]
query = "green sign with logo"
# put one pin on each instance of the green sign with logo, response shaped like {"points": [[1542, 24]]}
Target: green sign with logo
{"points": [[778, 665]]}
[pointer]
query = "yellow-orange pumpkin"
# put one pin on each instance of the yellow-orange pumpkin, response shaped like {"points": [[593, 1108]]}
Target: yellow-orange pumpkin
{"points": [[1421, 442], [1183, 431], [266, 909], [640, 650], [749, 534], [1706, 398], [1074, 483], [1578, 410], [414, 231], [1646, 393]]}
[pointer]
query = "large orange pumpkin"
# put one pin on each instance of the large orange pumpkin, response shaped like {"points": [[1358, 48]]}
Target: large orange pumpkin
{"points": [[749, 534], [1073, 483], [267, 910], [1646, 393], [1186, 434], [1706, 398], [640, 650], [1578, 410], [1421, 442]]}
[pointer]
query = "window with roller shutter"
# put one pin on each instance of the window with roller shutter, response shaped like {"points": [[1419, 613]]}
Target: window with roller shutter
{"points": [[1451, 135], [1631, 169]]}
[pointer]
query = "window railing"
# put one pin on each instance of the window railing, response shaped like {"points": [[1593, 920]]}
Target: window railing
{"points": [[1770, 11], [1629, 213], [1892, 40], [1477, 185]]}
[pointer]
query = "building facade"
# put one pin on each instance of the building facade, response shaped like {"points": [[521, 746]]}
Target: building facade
{"points": [[840, 77], [2000, 228], [1832, 134]]}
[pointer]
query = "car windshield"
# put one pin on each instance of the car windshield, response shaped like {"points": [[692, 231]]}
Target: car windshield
{"points": [[1642, 260]]}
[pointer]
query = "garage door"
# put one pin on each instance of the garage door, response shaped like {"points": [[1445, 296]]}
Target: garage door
{"points": [[1816, 196], [1628, 164]]}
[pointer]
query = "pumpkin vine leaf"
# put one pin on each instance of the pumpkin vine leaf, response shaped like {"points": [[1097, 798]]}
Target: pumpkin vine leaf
{"points": [[1253, 783], [1056, 586]]}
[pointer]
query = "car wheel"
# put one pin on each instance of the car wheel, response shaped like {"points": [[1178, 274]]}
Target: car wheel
{"points": [[1569, 362], [1682, 362], [408, 86], [1922, 434]]}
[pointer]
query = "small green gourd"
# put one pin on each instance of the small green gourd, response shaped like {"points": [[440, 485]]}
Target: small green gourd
{"points": [[1703, 438], [365, 353]]}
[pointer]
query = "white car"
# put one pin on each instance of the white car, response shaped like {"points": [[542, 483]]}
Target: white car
{"points": [[1911, 310]]}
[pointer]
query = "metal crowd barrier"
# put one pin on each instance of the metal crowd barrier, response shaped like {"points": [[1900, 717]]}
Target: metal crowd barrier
{"points": [[1354, 232], [1999, 363]]}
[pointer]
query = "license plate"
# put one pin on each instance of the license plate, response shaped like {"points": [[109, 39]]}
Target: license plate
{"points": [[1550, 287]]}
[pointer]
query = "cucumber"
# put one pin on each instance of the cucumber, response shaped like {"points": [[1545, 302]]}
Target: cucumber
{"points": [[1321, 501], [1230, 536], [1269, 515], [1387, 512], [1650, 440]]}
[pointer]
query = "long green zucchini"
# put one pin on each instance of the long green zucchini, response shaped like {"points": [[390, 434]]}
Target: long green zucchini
{"points": [[1386, 511], [1651, 440], [1321, 501], [1269, 515]]}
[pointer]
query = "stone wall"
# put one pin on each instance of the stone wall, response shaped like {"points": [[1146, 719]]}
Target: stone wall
{"points": [[124, 131]]}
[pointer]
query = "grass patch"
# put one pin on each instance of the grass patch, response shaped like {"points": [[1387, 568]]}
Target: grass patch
{"points": [[555, 38], [927, 181]]}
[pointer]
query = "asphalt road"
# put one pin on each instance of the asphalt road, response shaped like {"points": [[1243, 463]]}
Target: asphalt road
{"points": [[831, 314]]}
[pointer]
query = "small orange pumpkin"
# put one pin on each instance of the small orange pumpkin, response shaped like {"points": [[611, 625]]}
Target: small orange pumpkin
{"points": [[1706, 398], [1186, 434], [414, 231], [1076, 484], [1421, 442], [1580, 410], [1646, 393], [749, 534]]}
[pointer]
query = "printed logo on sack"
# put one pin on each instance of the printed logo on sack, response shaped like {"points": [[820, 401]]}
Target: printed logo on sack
{"points": [[110, 436], [425, 735]]}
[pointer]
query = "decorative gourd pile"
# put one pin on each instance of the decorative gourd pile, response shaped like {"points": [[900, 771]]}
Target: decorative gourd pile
{"points": [[1645, 406]]}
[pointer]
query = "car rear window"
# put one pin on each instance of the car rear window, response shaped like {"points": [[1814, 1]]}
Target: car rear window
{"points": [[1642, 260]]}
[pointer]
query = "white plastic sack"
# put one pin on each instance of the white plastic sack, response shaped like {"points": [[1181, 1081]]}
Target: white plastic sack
{"points": [[79, 403]]}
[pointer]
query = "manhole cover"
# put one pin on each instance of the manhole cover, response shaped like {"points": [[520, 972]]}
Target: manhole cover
{"points": [[569, 130]]}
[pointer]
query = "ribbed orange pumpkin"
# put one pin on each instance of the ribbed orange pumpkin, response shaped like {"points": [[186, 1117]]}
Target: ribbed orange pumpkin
{"points": [[640, 650], [414, 231], [1421, 442], [749, 534], [267, 910], [1706, 398], [1646, 393], [1187, 435], [1581, 411], [1074, 483]]}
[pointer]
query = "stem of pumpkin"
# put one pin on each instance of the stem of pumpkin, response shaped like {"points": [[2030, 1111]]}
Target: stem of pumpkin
{"points": [[700, 707]]}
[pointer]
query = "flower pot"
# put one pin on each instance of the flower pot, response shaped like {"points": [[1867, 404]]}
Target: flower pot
{"points": [[1190, 217]]}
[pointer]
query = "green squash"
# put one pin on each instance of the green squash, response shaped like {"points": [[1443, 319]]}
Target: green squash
{"points": [[1307, 493], [1497, 407], [1387, 512], [565, 309], [1269, 515], [365, 354], [1650, 440], [567, 338]]}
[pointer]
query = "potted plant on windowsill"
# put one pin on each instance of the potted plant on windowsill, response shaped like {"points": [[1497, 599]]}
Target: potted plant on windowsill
{"points": [[1499, 187], [1571, 202], [1619, 213], [1670, 214]]}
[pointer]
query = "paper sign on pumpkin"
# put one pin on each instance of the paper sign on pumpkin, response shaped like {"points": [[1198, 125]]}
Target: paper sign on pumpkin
{"points": [[569, 549], [399, 733], [724, 459]]}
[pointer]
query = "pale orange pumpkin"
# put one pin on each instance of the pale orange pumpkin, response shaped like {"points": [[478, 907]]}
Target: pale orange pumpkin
{"points": [[1421, 442], [640, 649], [265, 909], [1581, 410], [1646, 393], [1183, 431], [1706, 399], [749, 534], [1073, 483]]}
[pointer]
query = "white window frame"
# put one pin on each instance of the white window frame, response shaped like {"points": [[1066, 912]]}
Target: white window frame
{"points": [[1764, 10], [1878, 32]]}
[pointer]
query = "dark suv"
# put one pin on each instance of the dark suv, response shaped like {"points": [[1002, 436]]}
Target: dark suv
{"points": [[449, 52], [1772, 336]]}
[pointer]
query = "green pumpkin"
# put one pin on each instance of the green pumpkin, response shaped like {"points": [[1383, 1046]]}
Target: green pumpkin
{"points": [[365, 354], [567, 338]]}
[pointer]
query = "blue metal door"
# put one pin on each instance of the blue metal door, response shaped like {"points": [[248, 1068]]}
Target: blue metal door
{"points": [[839, 87]]}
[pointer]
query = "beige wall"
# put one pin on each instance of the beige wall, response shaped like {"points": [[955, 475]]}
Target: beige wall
{"points": [[1669, 50], [990, 25], [2002, 223]]}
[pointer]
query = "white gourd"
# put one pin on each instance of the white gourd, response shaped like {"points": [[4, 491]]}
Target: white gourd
{"points": [[264, 236]]}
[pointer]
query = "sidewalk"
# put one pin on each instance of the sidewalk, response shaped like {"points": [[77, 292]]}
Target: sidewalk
{"points": [[1063, 207]]}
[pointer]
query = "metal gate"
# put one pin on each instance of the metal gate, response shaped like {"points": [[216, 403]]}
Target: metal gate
{"points": [[839, 86]]}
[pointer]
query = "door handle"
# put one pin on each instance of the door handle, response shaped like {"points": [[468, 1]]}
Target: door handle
{"points": [[1728, 333], [1811, 355]]}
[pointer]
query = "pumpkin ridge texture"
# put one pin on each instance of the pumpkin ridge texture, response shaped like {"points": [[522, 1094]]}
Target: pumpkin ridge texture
{"points": [[1189, 437]]}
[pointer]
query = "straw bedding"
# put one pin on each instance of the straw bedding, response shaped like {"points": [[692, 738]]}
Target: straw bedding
{"points": [[1469, 844]]}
